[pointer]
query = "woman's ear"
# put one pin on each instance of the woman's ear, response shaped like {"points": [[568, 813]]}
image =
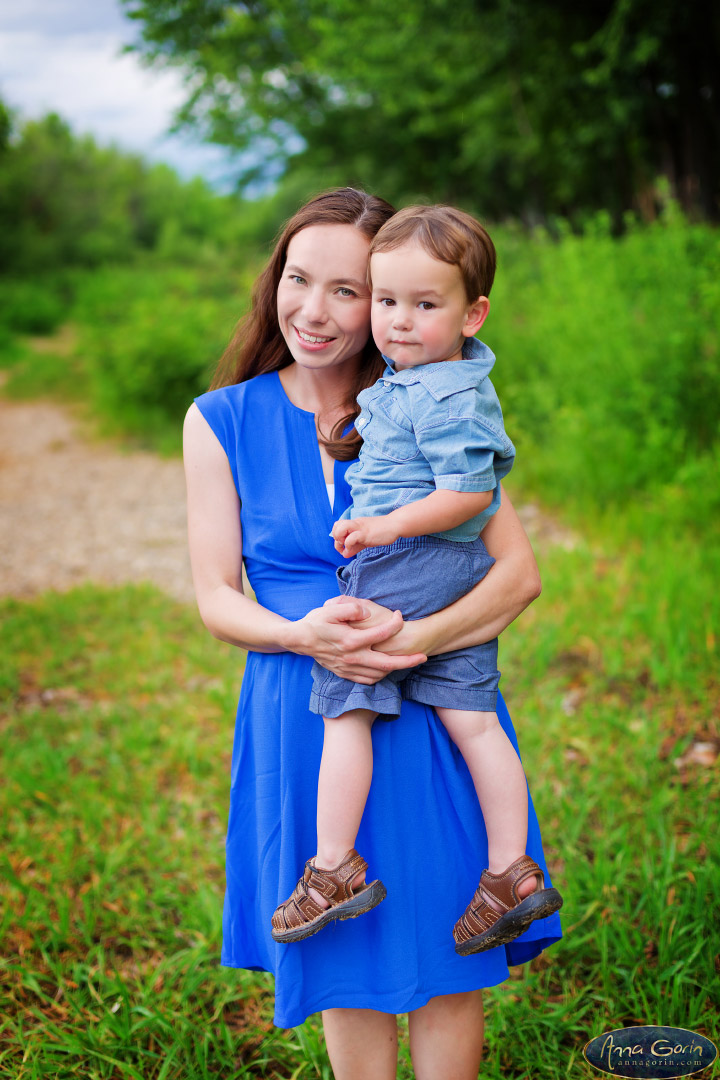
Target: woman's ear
{"points": [[476, 315]]}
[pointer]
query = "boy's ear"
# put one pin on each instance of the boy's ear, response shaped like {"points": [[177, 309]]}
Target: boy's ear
{"points": [[476, 315]]}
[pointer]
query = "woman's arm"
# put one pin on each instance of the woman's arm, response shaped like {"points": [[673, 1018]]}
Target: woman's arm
{"points": [[483, 613], [215, 539]]}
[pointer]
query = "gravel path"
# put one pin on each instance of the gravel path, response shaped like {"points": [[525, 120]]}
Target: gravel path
{"points": [[73, 510]]}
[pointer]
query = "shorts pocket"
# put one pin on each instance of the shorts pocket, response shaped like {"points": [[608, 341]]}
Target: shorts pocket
{"points": [[343, 576]]}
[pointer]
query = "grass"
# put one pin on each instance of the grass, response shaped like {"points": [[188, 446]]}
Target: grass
{"points": [[621, 762], [119, 718], [118, 715]]}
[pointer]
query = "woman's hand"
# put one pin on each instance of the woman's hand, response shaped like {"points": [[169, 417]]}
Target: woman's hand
{"points": [[341, 634]]}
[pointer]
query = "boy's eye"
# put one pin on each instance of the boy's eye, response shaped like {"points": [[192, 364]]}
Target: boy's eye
{"points": [[386, 301], [426, 305]]}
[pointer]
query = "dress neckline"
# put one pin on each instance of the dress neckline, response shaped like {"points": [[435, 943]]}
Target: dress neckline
{"points": [[286, 399], [317, 471]]}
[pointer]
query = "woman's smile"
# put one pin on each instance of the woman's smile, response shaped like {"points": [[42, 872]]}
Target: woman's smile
{"points": [[313, 341]]}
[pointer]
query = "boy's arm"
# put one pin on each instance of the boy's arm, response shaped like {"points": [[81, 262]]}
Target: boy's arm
{"points": [[437, 512], [468, 452]]}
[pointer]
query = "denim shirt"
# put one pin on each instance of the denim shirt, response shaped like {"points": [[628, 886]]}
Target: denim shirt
{"points": [[432, 426]]}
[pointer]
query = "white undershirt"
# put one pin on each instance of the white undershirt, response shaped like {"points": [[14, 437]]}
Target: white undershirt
{"points": [[331, 493]]}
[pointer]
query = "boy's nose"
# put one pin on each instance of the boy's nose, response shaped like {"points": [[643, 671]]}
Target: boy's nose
{"points": [[401, 320]]}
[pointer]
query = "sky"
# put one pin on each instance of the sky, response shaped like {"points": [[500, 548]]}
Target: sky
{"points": [[65, 56]]}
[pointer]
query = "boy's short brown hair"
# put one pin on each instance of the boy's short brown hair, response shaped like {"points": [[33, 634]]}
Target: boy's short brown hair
{"points": [[447, 234]]}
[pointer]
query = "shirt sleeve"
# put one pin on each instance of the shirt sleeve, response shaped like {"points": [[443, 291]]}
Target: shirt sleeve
{"points": [[465, 454]]}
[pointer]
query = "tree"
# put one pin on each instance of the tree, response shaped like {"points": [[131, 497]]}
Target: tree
{"points": [[526, 107], [64, 200]]}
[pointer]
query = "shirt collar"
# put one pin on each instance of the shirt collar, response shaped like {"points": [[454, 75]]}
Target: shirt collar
{"points": [[447, 376]]}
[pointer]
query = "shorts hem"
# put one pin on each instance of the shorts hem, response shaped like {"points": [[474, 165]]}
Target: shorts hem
{"points": [[450, 697], [332, 707]]}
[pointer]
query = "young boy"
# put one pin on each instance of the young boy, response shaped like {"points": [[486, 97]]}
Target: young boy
{"points": [[426, 483]]}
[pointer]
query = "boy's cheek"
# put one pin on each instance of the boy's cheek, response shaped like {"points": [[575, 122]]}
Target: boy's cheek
{"points": [[377, 322]]}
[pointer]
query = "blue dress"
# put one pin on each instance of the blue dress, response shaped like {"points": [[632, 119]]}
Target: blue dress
{"points": [[422, 832]]}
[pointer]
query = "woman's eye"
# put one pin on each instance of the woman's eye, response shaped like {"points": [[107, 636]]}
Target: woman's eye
{"points": [[345, 292], [297, 279]]}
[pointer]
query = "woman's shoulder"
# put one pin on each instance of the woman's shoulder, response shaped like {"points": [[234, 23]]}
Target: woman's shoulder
{"points": [[226, 408], [233, 398], [258, 385]]}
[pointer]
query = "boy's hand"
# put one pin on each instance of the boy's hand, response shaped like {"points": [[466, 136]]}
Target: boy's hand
{"points": [[351, 536]]}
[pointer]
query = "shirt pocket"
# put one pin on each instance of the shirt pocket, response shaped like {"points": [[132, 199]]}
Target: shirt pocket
{"points": [[390, 433]]}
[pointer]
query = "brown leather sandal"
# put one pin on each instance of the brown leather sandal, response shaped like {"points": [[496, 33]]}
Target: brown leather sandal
{"points": [[497, 915], [300, 916]]}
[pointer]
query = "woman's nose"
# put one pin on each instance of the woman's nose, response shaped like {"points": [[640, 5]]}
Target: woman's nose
{"points": [[314, 306]]}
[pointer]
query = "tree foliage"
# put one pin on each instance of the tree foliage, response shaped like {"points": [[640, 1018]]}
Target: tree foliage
{"points": [[524, 107], [66, 201]]}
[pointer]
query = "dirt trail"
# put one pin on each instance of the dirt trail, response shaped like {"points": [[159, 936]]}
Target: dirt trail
{"points": [[73, 510]]}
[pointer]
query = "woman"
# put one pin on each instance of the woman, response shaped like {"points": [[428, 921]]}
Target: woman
{"points": [[263, 454]]}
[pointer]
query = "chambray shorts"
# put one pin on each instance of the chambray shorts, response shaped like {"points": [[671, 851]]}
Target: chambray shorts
{"points": [[416, 576]]}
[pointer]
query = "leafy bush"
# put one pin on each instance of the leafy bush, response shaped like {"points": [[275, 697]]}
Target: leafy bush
{"points": [[609, 363], [151, 337], [31, 307], [65, 201]]}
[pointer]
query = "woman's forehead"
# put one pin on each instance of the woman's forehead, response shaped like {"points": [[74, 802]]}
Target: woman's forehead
{"points": [[330, 251]]}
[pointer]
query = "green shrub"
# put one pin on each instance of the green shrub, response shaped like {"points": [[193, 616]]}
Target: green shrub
{"points": [[7, 346], [151, 338], [31, 307], [608, 359]]}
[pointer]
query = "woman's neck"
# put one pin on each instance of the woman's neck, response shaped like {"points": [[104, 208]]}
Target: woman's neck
{"points": [[323, 392]]}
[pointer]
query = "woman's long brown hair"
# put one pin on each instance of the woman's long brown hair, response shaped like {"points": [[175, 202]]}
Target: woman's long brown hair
{"points": [[258, 346]]}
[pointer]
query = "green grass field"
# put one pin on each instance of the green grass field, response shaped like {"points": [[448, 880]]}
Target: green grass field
{"points": [[118, 722]]}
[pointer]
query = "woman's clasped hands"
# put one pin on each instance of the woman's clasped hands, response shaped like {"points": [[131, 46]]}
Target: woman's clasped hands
{"points": [[341, 634]]}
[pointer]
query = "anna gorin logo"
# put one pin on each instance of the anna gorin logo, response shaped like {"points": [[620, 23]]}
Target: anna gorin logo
{"points": [[655, 1053]]}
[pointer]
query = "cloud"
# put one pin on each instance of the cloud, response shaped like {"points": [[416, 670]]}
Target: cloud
{"points": [[65, 56], [85, 79], [57, 18]]}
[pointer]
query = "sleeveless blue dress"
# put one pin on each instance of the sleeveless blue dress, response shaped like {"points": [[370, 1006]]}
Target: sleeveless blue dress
{"points": [[422, 832]]}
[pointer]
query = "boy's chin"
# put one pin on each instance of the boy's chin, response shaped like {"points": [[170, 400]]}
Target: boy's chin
{"points": [[405, 359], [425, 361]]}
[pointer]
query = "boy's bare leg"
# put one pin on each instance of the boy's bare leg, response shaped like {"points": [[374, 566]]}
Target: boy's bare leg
{"points": [[343, 785], [499, 782]]}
